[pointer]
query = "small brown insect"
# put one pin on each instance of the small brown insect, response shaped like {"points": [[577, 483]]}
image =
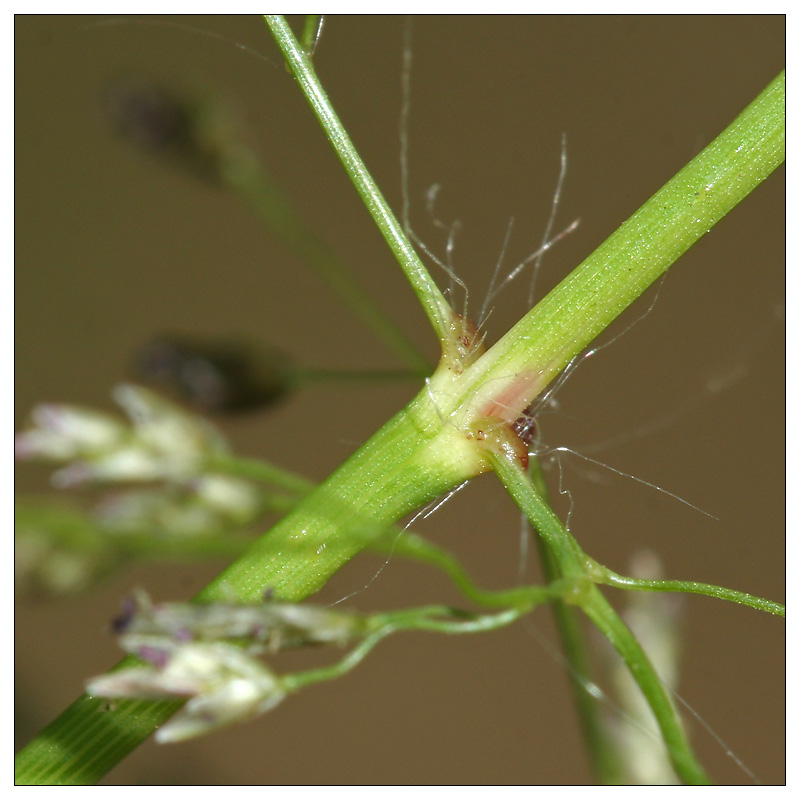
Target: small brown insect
{"points": [[525, 428]]}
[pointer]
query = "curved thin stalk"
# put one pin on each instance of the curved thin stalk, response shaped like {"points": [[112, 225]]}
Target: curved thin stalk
{"points": [[681, 756], [433, 619], [572, 563], [600, 750], [602, 574]]}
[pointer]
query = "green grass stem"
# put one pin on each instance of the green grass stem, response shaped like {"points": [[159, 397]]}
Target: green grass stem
{"points": [[428, 293], [422, 452]]}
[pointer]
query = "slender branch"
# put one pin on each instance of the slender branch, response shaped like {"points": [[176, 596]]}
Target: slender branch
{"points": [[429, 294], [434, 619], [411, 545], [258, 470], [683, 760], [571, 562], [312, 27], [602, 574], [600, 749]]}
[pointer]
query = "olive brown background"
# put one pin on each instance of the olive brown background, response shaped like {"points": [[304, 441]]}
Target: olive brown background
{"points": [[113, 248]]}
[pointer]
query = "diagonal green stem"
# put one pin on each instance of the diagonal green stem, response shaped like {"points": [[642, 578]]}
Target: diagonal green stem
{"points": [[422, 452], [683, 760], [431, 298], [557, 329], [601, 752], [571, 562]]}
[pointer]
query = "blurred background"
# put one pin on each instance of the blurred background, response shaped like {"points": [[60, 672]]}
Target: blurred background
{"points": [[114, 248]]}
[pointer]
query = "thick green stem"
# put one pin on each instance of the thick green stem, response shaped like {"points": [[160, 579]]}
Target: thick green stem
{"points": [[538, 347], [424, 451], [406, 464]]}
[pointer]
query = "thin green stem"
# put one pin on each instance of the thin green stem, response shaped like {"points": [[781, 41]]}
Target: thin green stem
{"points": [[599, 747], [433, 619], [567, 555], [410, 545], [572, 563], [681, 756], [258, 470], [441, 619], [601, 574], [433, 301]]}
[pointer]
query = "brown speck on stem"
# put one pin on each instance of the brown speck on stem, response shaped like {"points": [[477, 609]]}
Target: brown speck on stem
{"points": [[499, 437], [525, 426], [463, 345]]}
